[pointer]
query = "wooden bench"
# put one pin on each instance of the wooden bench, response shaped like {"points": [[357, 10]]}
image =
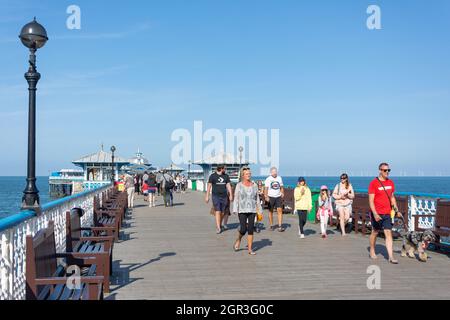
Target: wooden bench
{"points": [[111, 218], [115, 200], [92, 241], [441, 222], [361, 213], [48, 280], [288, 201]]}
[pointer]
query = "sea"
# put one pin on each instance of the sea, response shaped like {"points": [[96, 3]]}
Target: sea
{"points": [[11, 188]]}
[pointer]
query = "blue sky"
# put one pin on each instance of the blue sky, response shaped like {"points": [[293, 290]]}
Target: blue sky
{"points": [[344, 97]]}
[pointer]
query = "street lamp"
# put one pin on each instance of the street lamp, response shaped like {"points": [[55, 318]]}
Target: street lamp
{"points": [[189, 169], [113, 178], [33, 36], [240, 160]]}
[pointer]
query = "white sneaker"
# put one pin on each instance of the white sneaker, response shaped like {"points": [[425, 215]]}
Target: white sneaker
{"points": [[302, 236]]}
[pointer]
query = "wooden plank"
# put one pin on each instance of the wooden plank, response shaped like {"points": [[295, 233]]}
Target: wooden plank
{"points": [[174, 253]]}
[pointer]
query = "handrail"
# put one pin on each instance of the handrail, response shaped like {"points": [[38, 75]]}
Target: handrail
{"points": [[416, 194], [15, 219]]}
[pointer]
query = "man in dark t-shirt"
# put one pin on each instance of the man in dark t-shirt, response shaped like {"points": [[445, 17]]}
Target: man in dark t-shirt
{"points": [[219, 185]]}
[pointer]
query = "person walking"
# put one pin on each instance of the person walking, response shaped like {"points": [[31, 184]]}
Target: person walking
{"points": [[158, 182], [343, 195], [274, 194], [136, 184], [246, 204], [151, 182], [383, 208], [167, 185], [144, 177], [325, 211], [219, 186], [303, 204], [129, 186], [258, 224]]}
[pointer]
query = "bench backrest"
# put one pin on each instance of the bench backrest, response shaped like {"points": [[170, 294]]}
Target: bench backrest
{"points": [[361, 203], [442, 219], [73, 228], [41, 258], [289, 197]]}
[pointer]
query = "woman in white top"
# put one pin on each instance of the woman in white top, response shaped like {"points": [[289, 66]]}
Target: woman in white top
{"points": [[344, 194]]}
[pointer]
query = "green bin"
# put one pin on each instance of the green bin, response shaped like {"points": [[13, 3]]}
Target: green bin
{"points": [[312, 214], [194, 185]]}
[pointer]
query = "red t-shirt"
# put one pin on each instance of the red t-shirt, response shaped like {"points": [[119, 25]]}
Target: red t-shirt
{"points": [[144, 187], [382, 201]]}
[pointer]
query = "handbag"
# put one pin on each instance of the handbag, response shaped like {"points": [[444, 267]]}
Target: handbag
{"points": [[393, 212], [259, 216]]}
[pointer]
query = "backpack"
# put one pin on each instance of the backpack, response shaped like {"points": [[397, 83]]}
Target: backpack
{"points": [[169, 184]]}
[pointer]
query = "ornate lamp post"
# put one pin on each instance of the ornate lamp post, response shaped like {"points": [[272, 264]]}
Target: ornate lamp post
{"points": [[33, 36], [113, 175], [240, 160], [189, 169]]}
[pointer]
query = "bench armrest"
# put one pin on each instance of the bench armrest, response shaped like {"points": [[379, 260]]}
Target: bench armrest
{"points": [[64, 280]]}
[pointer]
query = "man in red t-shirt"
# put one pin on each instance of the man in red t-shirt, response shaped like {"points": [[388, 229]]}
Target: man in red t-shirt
{"points": [[382, 201]]}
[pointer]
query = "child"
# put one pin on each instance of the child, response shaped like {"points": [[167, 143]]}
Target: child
{"points": [[325, 210], [145, 190]]}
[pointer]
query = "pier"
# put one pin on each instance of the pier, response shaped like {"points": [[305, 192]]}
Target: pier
{"points": [[174, 253]]}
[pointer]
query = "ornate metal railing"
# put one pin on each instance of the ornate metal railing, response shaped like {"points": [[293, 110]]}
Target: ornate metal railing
{"points": [[15, 228], [418, 204]]}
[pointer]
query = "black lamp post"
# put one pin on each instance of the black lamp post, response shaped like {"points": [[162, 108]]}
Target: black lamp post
{"points": [[113, 175], [189, 169], [240, 160], [33, 36]]}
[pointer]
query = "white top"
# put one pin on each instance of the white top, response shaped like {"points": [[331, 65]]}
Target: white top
{"points": [[273, 186]]}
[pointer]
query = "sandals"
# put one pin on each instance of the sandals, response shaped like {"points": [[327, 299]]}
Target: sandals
{"points": [[236, 247], [281, 229], [252, 253], [393, 261]]}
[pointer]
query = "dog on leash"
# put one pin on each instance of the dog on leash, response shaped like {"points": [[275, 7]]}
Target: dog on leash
{"points": [[417, 242]]}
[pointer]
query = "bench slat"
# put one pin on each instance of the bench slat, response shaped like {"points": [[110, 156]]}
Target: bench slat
{"points": [[56, 292]]}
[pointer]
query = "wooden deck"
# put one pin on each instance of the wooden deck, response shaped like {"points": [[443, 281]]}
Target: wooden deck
{"points": [[174, 253]]}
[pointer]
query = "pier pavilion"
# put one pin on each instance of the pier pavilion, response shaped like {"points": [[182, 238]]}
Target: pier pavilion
{"points": [[173, 170], [97, 168], [209, 165], [138, 164]]}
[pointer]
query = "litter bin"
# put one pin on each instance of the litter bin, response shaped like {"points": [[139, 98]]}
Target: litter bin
{"points": [[315, 198], [194, 185]]}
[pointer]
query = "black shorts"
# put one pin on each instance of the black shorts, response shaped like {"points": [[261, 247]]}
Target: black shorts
{"points": [[384, 224], [219, 203], [275, 203]]}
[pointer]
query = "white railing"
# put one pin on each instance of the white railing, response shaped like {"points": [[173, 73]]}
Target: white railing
{"points": [[14, 229], [421, 206]]}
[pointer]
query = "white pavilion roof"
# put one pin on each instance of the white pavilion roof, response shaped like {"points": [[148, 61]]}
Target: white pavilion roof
{"points": [[173, 168], [100, 157], [222, 158]]}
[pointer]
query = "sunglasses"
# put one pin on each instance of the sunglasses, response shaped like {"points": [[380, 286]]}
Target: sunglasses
{"points": [[386, 170], [344, 178]]}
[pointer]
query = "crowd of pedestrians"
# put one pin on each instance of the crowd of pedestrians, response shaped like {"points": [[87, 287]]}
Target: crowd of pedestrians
{"points": [[249, 198]]}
